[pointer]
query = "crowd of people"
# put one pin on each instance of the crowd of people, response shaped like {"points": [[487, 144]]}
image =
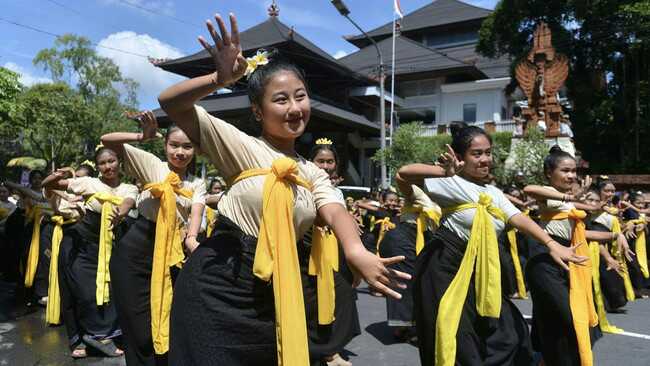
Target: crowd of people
{"points": [[137, 256]]}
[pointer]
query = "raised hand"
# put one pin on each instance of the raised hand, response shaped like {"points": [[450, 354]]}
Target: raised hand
{"points": [[226, 53], [149, 126], [585, 184], [450, 162], [375, 272]]}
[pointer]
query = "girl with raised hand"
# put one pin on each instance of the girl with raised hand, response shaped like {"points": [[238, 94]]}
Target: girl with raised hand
{"points": [[148, 256], [224, 310], [86, 298], [461, 314], [564, 316]]}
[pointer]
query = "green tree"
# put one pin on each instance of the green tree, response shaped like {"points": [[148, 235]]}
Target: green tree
{"points": [[527, 157], [10, 89], [605, 41]]}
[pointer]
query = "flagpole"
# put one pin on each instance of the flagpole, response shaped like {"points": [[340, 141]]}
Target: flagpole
{"points": [[392, 84]]}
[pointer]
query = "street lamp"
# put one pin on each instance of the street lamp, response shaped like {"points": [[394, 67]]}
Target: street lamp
{"points": [[344, 11]]}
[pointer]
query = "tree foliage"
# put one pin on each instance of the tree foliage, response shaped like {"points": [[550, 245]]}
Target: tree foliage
{"points": [[607, 45]]}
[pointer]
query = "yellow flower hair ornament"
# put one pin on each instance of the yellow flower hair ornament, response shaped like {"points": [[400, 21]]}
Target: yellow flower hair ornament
{"points": [[88, 162], [324, 141], [261, 58]]}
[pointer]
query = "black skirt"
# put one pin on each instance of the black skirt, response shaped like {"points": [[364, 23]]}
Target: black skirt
{"points": [[553, 333], [401, 241], [611, 283], [77, 274], [480, 340]]}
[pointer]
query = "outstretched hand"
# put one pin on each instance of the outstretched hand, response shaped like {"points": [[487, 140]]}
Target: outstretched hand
{"points": [[374, 271], [450, 163], [563, 255], [227, 54]]}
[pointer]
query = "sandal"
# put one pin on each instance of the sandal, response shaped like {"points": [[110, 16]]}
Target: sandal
{"points": [[79, 352], [105, 346]]}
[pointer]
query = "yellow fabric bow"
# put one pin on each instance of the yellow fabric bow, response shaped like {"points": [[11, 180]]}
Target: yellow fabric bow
{"points": [[276, 257], [514, 252], [620, 257], [581, 299], [640, 246], [103, 278], [424, 215], [53, 309], [482, 250], [35, 215], [385, 225], [323, 261], [605, 326], [210, 221], [167, 252]]}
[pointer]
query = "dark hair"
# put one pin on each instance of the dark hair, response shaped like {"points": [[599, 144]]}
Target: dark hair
{"points": [[33, 173], [462, 136], [602, 182], [260, 77], [555, 155], [171, 129], [213, 181], [635, 195], [102, 150], [386, 192], [316, 149], [88, 168], [512, 189]]}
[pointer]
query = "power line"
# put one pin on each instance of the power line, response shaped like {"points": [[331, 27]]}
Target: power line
{"points": [[58, 35], [179, 20]]}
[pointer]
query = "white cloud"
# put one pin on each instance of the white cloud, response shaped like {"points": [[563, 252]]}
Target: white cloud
{"points": [[155, 6], [152, 80], [26, 78], [339, 54]]}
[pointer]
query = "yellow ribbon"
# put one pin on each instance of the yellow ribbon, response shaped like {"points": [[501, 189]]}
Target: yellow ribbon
{"points": [[640, 246], [167, 252], [323, 261], [210, 221], [35, 214], [385, 225], [514, 252], [605, 326], [3, 213], [620, 257], [103, 278], [53, 309], [276, 257], [482, 250], [581, 299], [424, 214]]}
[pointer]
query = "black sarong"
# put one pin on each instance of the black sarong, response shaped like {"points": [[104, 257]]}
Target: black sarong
{"points": [[480, 340], [78, 256], [611, 283]]}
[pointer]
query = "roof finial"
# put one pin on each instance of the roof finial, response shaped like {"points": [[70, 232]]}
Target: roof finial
{"points": [[274, 10]]}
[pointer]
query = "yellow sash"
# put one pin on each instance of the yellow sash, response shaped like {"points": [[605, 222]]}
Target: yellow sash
{"points": [[210, 221], [482, 251], [620, 257], [385, 225], [4, 213], [581, 299], [53, 309], [514, 252], [594, 255], [424, 214], [640, 246], [167, 252], [35, 214], [323, 261], [103, 278], [276, 257]]}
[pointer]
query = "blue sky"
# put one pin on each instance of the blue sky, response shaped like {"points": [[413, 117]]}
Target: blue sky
{"points": [[169, 28]]}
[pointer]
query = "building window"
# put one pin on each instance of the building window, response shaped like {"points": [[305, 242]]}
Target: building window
{"points": [[469, 112], [416, 88]]}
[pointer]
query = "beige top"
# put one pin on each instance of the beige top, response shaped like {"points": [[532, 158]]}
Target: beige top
{"points": [[560, 228], [87, 186], [418, 198], [232, 152], [148, 168], [69, 206]]}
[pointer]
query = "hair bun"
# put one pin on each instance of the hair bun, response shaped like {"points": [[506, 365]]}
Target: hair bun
{"points": [[456, 127], [556, 149]]}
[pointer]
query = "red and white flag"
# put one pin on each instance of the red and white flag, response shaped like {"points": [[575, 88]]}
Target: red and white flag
{"points": [[398, 8]]}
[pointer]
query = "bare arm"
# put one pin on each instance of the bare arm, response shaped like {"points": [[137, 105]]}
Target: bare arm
{"points": [[56, 182], [211, 200], [23, 190], [417, 173], [116, 140], [178, 100], [196, 216], [369, 266], [542, 193]]}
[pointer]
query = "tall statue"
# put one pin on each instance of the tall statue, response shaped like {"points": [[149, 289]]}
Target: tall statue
{"points": [[540, 77]]}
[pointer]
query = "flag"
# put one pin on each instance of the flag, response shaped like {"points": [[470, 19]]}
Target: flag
{"points": [[398, 8]]}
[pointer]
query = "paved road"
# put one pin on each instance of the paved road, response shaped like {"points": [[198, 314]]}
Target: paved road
{"points": [[29, 342]]}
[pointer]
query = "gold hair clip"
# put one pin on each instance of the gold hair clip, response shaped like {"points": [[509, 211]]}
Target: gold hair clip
{"points": [[324, 141], [604, 177], [88, 162], [99, 146], [261, 58]]}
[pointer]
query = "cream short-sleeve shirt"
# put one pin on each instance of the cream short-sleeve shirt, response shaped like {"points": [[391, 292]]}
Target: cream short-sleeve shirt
{"points": [[560, 228], [232, 152], [87, 186], [418, 198], [65, 204], [452, 191], [148, 168]]}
